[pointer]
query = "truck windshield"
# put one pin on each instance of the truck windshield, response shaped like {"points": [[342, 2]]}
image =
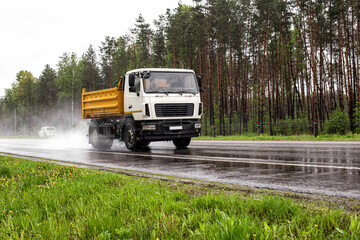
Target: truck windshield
{"points": [[170, 82]]}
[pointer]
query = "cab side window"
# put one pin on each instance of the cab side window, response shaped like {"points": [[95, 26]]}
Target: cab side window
{"points": [[137, 84], [134, 83]]}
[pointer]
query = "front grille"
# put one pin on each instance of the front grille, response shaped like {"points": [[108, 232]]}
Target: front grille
{"points": [[174, 110]]}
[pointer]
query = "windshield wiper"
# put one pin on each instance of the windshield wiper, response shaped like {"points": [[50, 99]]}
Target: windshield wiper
{"points": [[178, 92], [153, 91], [194, 93]]}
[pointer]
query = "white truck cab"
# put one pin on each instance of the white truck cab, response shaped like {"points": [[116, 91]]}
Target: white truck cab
{"points": [[165, 104]]}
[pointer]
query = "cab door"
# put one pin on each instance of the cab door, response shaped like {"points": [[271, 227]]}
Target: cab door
{"points": [[133, 96]]}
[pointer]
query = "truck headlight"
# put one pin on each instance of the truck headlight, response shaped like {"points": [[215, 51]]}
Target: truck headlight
{"points": [[149, 127], [197, 125]]}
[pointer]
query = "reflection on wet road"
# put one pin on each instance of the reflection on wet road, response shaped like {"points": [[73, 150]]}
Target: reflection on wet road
{"points": [[311, 167]]}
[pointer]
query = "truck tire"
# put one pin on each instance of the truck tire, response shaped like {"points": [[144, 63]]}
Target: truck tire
{"points": [[181, 142], [145, 143], [106, 143], [97, 141], [130, 137]]}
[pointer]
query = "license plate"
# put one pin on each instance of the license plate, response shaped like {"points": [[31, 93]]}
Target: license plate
{"points": [[176, 128]]}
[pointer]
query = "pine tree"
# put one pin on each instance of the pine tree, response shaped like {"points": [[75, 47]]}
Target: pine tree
{"points": [[89, 71], [107, 50], [159, 46], [47, 93], [143, 35]]}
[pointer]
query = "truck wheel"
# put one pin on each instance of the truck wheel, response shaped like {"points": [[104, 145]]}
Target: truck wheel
{"points": [[182, 142], [130, 137], [94, 137], [106, 143], [145, 143], [97, 141]]}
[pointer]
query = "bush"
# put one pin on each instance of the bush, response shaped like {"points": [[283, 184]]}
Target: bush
{"points": [[357, 118], [289, 127], [281, 128], [338, 123], [299, 126]]}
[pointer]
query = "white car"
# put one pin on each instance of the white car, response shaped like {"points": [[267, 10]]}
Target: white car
{"points": [[47, 131]]}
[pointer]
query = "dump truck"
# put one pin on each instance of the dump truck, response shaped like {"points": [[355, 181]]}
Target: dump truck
{"points": [[146, 105]]}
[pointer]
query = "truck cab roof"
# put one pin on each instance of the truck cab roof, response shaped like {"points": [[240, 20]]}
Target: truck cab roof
{"points": [[160, 70]]}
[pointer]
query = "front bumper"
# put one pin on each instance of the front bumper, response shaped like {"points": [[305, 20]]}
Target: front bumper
{"points": [[170, 129]]}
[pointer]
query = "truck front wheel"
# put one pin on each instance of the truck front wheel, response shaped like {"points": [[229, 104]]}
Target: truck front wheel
{"points": [[130, 137], [182, 142]]}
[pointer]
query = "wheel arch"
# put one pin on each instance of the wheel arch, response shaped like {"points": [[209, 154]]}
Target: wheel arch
{"points": [[129, 118]]}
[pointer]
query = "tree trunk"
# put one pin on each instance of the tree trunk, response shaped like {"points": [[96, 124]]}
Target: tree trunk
{"points": [[357, 51], [267, 74], [173, 46], [332, 91], [348, 74], [230, 86], [211, 106], [340, 69], [314, 63]]}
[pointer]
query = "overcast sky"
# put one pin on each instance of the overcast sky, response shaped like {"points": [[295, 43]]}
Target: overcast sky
{"points": [[37, 32]]}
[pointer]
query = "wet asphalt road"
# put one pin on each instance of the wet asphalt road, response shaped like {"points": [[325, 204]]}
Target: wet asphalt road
{"points": [[327, 168]]}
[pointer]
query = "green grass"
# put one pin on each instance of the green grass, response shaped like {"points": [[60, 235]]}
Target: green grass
{"points": [[325, 137], [46, 201]]}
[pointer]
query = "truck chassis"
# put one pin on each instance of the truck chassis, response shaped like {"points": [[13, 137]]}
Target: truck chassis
{"points": [[103, 131]]}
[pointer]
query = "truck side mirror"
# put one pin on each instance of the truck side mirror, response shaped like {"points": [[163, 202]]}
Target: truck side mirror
{"points": [[200, 84], [132, 82], [146, 75]]}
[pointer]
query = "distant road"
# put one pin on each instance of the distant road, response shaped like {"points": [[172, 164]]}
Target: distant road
{"points": [[327, 168]]}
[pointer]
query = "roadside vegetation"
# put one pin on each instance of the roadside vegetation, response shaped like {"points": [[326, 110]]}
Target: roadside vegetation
{"points": [[41, 200], [305, 137]]}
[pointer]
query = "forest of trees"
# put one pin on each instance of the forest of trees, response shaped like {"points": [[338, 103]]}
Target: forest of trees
{"points": [[276, 65]]}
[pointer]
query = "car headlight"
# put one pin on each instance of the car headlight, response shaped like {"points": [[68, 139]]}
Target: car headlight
{"points": [[197, 125], [149, 127]]}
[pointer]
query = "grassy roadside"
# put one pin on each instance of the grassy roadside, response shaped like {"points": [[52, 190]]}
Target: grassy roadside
{"points": [[326, 137], [46, 201]]}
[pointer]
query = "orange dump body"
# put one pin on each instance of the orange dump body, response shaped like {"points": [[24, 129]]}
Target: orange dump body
{"points": [[102, 103]]}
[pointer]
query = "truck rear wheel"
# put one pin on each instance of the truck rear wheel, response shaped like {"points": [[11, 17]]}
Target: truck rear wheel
{"points": [[98, 141], [106, 143], [130, 137], [182, 142]]}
